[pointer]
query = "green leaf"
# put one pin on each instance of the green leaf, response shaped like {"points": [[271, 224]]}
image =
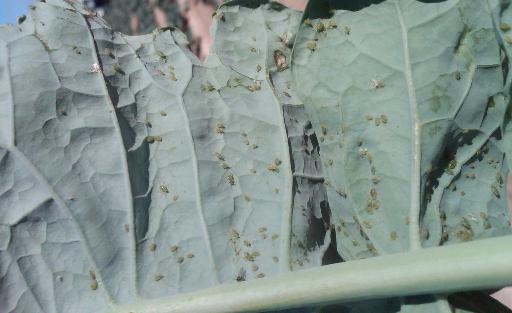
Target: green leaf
{"points": [[130, 170], [408, 100]]}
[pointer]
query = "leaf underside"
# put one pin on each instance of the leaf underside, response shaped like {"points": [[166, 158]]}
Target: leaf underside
{"points": [[130, 170]]}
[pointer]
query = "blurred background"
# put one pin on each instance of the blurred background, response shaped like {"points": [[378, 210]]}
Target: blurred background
{"points": [[134, 17], [193, 17]]}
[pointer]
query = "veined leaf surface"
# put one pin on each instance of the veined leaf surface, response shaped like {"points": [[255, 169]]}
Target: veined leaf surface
{"points": [[130, 170]]}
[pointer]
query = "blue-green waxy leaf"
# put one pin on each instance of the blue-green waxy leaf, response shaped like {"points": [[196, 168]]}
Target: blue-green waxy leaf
{"points": [[130, 170], [401, 109], [409, 114]]}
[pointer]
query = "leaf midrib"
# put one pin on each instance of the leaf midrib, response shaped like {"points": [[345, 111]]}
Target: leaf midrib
{"points": [[415, 182]]}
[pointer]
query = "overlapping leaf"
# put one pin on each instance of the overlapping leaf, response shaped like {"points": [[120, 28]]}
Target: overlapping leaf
{"points": [[408, 100]]}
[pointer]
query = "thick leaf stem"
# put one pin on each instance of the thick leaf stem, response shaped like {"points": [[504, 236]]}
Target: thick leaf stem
{"points": [[482, 264]]}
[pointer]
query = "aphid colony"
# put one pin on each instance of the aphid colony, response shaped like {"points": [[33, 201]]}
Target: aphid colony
{"points": [[250, 254]]}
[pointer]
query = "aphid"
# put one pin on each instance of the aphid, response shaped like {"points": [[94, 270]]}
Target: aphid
{"points": [[256, 85], [174, 248], [258, 67], [280, 60], [252, 49], [246, 142], [507, 39], [307, 22], [219, 128], [393, 236], [247, 243], [407, 220], [323, 129], [453, 164], [275, 259], [127, 228], [495, 191], [94, 285], [273, 167], [158, 277], [384, 119], [234, 234], [117, 68], [95, 68], [311, 45], [163, 113], [161, 54], [175, 198], [164, 189], [368, 117], [464, 233], [253, 171], [458, 75], [180, 259], [275, 190], [504, 27], [218, 156], [254, 268], [233, 82], [331, 24], [152, 247], [462, 193], [319, 27], [247, 198], [172, 76], [499, 178], [260, 275], [262, 229], [240, 276], [108, 52], [190, 255], [355, 243], [224, 165], [300, 263], [248, 256], [377, 83], [152, 139], [341, 192], [275, 236], [371, 206], [367, 224], [207, 87], [347, 29], [90, 14], [362, 151], [254, 146], [375, 180], [77, 50], [92, 274], [230, 179], [373, 193], [328, 162]]}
